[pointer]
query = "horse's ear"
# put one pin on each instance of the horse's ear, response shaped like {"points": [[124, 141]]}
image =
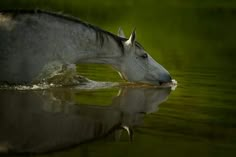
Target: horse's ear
{"points": [[121, 33], [131, 39]]}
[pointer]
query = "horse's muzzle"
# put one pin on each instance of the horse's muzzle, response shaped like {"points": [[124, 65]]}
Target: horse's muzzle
{"points": [[165, 78]]}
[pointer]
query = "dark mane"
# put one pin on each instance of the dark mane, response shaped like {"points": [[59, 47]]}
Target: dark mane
{"points": [[100, 33]]}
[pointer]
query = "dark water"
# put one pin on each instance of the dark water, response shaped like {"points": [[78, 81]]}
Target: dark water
{"points": [[54, 119], [194, 41]]}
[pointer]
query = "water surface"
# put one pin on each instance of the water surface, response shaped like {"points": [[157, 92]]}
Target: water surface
{"points": [[42, 121]]}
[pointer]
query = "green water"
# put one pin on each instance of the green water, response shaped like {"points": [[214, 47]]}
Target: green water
{"points": [[195, 41]]}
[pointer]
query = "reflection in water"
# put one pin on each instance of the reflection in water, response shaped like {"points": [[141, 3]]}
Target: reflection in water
{"points": [[49, 120]]}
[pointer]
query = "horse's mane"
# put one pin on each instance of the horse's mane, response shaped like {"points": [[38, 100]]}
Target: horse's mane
{"points": [[100, 33]]}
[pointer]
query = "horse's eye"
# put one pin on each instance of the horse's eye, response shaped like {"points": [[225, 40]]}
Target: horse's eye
{"points": [[144, 56]]}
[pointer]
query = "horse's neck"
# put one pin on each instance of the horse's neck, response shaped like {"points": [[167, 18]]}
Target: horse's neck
{"points": [[93, 51], [89, 45]]}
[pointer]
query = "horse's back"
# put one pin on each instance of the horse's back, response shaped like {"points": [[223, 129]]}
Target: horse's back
{"points": [[29, 41], [22, 48]]}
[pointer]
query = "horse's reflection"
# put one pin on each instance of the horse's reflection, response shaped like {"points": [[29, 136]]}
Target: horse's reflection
{"points": [[42, 121]]}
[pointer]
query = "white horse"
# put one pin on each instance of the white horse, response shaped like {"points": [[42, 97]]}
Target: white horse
{"points": [[37, 45]]}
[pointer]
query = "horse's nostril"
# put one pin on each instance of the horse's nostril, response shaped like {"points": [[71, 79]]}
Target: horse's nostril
{"points": [[165, 78], [170, 78]]}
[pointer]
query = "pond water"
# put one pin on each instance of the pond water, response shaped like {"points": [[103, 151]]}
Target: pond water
{"points": [[197, 118], [195, 42]]}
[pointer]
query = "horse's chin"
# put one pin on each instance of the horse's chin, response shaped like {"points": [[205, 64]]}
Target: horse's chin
{"points": [[172, 84]]}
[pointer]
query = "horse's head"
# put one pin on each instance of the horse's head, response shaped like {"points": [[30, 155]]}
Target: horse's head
{"points": [[138, 66]]}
